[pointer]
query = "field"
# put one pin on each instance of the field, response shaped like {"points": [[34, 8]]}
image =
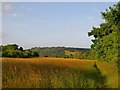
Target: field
{"points": [[57, 73]]}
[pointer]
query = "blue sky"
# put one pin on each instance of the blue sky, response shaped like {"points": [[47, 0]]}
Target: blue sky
{"points": [[50, 24]]}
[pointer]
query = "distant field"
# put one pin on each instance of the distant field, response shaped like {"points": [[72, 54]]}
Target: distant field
{"points": [[57, 73]]}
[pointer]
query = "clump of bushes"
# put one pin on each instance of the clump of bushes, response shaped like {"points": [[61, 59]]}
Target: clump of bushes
{"points": [[14, 51]]}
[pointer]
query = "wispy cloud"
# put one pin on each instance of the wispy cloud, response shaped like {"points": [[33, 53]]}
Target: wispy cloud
{"points": [[8, 9], [14, 14]]}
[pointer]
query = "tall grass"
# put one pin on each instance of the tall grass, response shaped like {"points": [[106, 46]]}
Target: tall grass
{"points": [[111, 72], [51, 73]]}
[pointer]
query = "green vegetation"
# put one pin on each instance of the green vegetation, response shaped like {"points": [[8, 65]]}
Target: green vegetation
{"points": [[57, 73], [105, 43], [59, 52], [14, 51], [111, 72]]}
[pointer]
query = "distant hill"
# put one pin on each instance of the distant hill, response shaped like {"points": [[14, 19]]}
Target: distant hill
{"points": [[56, 51], [62, 48]]}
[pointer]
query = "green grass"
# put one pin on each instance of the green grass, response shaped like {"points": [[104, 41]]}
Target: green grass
{"points": [[111, 72], [55, 73]]}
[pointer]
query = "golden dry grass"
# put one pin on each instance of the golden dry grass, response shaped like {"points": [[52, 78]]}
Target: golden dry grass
{"points": [[53, 73], [66, 62]]}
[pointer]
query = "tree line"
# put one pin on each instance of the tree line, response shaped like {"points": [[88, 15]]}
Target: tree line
{"points": [[14, 51], [59, 52]]}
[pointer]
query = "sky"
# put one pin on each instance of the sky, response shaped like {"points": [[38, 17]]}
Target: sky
{"points": [[38, 24]]}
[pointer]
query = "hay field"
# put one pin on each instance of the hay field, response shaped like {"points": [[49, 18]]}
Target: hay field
{"points": [[56, 73]]}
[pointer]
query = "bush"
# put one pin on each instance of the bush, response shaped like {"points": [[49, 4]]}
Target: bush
{"points": [[14, 52]]}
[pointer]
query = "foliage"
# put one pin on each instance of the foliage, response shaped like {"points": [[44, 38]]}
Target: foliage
{"points": [[106, 36], [59, 52], [14, 51]]}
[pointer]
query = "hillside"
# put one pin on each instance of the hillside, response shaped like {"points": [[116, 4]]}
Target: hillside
{"points": [[56, 51]]}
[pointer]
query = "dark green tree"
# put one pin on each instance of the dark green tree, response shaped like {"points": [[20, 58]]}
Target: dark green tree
{"points": [[14, 52], [21, 49], [105, 42]]}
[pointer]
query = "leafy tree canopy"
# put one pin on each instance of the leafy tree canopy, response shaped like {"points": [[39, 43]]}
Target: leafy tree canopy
{"points": [[105, 41], [15, 52]]}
